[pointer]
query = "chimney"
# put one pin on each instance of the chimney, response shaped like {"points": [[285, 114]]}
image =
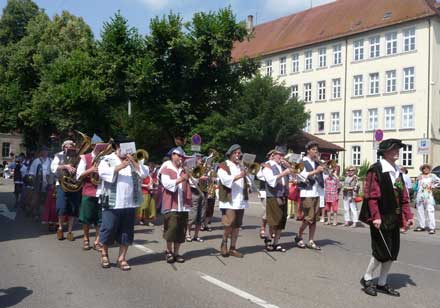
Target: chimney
{"points": [[250, 23]]}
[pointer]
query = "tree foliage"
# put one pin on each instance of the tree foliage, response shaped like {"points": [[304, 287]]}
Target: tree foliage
{"points": [[180, 79], [262, 117]]}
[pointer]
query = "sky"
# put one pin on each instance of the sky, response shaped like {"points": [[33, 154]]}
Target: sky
{"points": [[139, 12]]}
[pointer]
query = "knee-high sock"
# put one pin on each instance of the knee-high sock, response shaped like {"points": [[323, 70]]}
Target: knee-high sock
{"points": [[371, 268], [384, 270]]}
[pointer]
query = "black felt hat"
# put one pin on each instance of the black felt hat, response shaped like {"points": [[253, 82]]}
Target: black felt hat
{"points": [[389, 144]]}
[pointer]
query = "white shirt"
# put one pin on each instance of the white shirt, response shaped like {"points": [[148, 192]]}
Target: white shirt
{"points": [[170, 185], [394, 172], [124, 184], [270, 177], [54, 166], [314, 192], [45, 165], [236, 187]]}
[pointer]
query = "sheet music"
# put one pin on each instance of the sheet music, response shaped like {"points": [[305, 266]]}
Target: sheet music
{"points": [[248, 158], [127, 148]]}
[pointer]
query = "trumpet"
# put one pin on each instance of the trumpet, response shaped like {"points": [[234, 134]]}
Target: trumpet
{"points": [[328, 166]]}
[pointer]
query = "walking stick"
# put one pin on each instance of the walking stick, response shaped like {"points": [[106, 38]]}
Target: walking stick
{"points": [[386, 245]]}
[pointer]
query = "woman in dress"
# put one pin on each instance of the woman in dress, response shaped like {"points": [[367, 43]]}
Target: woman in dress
{"points": [[426, 182]]}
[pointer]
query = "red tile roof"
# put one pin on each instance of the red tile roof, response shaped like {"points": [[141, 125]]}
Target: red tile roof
{"points": [[331, 21]]}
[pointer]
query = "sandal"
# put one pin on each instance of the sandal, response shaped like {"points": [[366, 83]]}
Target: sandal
{"points": [[179, 259], [105, 263], [279, 248], [312, 245], [169, 257], [197, 239], [86, 245], [299, 242], [262, 234], [124, 266], [97, 246]]}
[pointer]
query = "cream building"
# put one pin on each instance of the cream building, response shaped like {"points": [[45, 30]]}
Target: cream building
{"points": [[360, 66], [11, 144]]}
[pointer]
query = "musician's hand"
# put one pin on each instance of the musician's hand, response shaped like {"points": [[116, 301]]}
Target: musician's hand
{"points": [[133, 162], [70, 169], [319, 169], [122, 165], [377, 223], [93, 169]]}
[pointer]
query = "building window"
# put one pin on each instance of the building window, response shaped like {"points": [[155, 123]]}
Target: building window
{"points": [[391, 43], [307, 92], [320, 123], [357, 120], [408, 78], [409, 39], [356, 155], [374, 46], [336, 88], [390, 118], [372, 119], [337, 54], [295, 63], [374, 83], [294, 91], [6, 146], [308, 59], [391, 81], [321, 90], [268, 67], [358, 85], [283, 65], [407, 116], [358, 50], [307, 126], [407, 155], [322, 57], [334, 124]]}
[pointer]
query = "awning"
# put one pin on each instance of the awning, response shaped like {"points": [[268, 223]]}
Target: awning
{"points": [[298, 142]]}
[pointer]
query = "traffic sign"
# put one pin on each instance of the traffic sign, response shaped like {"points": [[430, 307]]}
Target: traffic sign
{"points": [[196, 139], [378, 135], [423, 146], [196, 148]]}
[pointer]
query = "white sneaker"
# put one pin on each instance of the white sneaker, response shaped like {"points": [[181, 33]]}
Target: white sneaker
{"points": [[321, 220]]}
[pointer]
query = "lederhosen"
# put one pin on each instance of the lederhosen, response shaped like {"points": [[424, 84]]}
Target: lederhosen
{"points": [[390, 208], [276, 201], [225, 195]]}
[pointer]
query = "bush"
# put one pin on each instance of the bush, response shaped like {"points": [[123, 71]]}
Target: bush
{"points": [[436, 193], [362, 172]]}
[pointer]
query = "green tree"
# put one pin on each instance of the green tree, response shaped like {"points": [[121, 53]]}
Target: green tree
{"points": [[187, 71], [119, 48], [262, 117], [16, 15]]}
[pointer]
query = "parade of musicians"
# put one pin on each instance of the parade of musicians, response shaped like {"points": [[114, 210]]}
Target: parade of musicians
{"points": [[220, 153]]}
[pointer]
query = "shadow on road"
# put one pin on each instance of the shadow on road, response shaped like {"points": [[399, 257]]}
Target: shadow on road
{"points": [[12, 296], [399, 281]]}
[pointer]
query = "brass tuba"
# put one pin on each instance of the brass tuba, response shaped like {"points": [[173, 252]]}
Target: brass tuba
{"points": [[68, 181], [94, 177]]}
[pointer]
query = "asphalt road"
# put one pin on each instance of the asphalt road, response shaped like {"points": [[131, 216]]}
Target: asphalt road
{"points": [[39, 271]]}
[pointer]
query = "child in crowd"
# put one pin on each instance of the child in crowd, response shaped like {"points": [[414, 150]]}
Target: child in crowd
{"points": [[332, 186]]}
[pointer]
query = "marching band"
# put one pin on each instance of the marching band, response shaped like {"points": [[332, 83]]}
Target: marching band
{"points": [[105, 184]]}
